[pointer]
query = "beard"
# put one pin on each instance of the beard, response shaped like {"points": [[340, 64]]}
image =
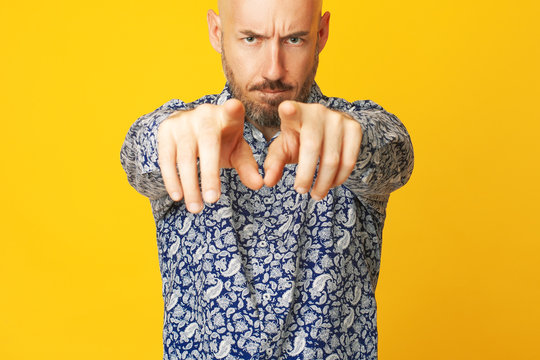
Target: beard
{"points": [[265, 113]]}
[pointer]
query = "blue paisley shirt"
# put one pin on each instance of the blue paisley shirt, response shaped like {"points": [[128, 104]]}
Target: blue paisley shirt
{"points": [[273, 274]]}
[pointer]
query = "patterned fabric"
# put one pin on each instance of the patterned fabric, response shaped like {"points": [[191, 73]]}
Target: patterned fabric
{"points": [[273, 274]]}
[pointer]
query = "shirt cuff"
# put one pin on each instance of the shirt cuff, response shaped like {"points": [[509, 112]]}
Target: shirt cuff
{"points": [[147, 139]]}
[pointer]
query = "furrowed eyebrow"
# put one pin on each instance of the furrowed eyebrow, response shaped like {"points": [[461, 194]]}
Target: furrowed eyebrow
{"points": [[250, 33], [296, 34], [254, 34]]}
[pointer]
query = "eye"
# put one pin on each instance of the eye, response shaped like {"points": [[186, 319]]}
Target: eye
{"points": [[250, 39], [294, 40]]}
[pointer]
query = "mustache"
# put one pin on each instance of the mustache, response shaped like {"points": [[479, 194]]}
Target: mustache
{"points": [[271, 85]]}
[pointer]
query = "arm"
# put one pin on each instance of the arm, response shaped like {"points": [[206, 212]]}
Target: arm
{"points": [[386, 158], [164, 150], [357, 145], [139, 156]]}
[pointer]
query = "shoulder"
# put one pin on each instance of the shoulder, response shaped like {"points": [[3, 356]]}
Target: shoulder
{"points": [[216, 99], [339, 103], [177, 104]]}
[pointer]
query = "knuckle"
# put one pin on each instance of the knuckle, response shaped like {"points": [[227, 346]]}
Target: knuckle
{"points": [[164, 132], [337, 119], [207, 130], [349, 166], [320, 107], [312, 147], [331, 160], [186, 154], [205, 108], [175, 114], [354, 126], [164, 126], [176, 126], [175, 118], [344, 171], [334, 121], [206, 126]]}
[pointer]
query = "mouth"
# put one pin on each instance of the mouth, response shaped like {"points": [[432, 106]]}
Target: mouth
{"points": [[272, 97], [273, 91]]}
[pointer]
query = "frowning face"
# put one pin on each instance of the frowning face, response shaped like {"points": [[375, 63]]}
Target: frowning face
{"points": [[269, 51]]}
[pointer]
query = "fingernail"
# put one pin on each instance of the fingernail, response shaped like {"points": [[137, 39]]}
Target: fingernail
{"points": [[301, 190], [175, 196], [210, 196], [194, 207]]}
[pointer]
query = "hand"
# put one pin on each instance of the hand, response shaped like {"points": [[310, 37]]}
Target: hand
{"points": [[309, 133], [214, 134]]}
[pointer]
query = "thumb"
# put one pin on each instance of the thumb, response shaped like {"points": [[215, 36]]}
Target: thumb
{"points": [[248, 170], [284, 149], [241, 157], [275, 162]]}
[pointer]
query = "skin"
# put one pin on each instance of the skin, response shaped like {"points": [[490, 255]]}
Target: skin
{"points": [[269, 51], [282, 48]]}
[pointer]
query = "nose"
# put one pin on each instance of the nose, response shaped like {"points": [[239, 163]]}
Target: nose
{"points": [[273, 68]]}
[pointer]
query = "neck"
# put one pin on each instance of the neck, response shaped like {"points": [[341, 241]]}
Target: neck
{"points": [[268, 132]]}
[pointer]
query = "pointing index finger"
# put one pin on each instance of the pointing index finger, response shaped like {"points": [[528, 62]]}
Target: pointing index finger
{"points": [[290, 114], [233, 113]]}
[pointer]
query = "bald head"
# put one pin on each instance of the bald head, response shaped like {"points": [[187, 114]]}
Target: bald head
{"points": [[225, 6], [269, 17], [269, 51]]}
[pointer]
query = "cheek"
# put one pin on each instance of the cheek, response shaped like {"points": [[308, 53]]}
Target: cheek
{"points": [[243, 67], [299, 65], [243, 78]]}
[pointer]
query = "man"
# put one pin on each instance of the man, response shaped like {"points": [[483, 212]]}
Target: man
{"points": [[276, 254]]}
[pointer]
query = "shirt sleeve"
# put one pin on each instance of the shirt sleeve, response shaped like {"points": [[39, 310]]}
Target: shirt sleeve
{"points": [[139, 156], [386, 158]]}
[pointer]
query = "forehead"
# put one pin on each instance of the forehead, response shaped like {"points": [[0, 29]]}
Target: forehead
{"points": [[269, 16]]}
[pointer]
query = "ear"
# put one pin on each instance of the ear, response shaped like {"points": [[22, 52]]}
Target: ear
{"points": [[214, 30], [324, 25]]}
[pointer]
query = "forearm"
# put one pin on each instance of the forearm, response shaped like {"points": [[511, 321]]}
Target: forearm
{"points": [[386, 158]]}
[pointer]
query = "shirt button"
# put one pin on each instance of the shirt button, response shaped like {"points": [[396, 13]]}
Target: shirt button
{"points": [[267, 297], [263, 243]]}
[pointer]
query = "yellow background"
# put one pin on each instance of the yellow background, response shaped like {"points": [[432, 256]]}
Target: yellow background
{"points": [[460, 261]]}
